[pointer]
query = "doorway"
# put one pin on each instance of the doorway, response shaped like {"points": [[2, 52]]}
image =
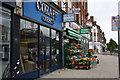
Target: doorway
{"points": [[44, 54]]}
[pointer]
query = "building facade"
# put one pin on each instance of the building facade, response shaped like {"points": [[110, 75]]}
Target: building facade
{"points": [[97, 40], [69, 5], [31, 39]]}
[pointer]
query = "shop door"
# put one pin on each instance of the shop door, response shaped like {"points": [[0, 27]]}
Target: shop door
{"points": [[44, 55]]}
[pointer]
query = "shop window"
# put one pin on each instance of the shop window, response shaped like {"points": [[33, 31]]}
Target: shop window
{"points": [[28, 46], [48, 65], [5, 28], [42, 47], [42, 66], [47, 47], [42, 54], [44, 31], [55, 47]]}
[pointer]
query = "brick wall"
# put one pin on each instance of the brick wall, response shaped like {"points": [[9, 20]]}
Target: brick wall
{"points": [[99, 34]]}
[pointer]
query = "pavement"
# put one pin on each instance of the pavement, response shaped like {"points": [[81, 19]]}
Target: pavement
{"points": [[107, 68]]}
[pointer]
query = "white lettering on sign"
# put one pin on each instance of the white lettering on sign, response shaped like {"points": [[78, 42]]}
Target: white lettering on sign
{"points": [[74, 26], [44, 8]]}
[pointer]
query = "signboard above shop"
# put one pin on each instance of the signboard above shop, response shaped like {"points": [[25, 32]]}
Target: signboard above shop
{"points": [[73, 34], [73, 26], [89, 23], [76, 10], [84, 31], [69, 18], [115, 23], [43, 13]]}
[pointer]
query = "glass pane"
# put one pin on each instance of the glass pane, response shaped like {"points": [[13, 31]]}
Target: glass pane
{"points": [[48, 65], [42, 66], [55, 47], [42, 47], [5, 25], [28, 46], [47, 47], [44, 31]]}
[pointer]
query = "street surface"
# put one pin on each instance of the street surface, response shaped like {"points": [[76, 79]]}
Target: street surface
{"points": [[107, 68]]}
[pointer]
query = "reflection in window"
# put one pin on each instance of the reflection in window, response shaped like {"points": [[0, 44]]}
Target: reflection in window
{"points": [[5, 25], [28, 46], [42, 66], [55, 47], [42, 47], [48, 65], [44, 31], [47, 47]]}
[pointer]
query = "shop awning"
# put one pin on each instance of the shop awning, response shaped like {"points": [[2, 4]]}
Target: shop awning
{"points": [[71, 37]]}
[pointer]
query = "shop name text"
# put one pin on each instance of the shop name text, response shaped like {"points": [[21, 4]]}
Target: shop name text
{"points": [[45, 9]]}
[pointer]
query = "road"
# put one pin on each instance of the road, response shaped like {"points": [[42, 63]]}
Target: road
{"points": [[107, 68]]}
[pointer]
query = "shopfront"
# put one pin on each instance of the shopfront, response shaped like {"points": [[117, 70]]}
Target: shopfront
{"points": [[40, 39], [30, 45], [75, 45], [6, 24]]}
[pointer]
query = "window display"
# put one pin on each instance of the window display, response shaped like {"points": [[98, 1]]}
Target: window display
{"points": [[55, 47], [42, 47], [5, 31], [47, 47], [44, 31], [42, 66], [28, 46]]}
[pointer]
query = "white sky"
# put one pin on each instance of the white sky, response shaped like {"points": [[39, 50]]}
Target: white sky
{"points": [[102, 10]]}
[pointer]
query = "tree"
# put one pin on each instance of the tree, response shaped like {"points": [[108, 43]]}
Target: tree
{"points": [[112, 45]]}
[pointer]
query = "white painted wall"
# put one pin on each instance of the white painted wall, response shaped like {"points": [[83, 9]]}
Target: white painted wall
{"points": [[90, 45], [98, 45], [70, 6]]}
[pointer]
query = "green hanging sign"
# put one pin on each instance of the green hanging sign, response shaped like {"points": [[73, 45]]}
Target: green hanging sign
{"points": [[73, 34], [84, 31]]}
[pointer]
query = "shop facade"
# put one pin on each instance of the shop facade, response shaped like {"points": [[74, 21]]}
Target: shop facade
{"points": [[35, 44], [6, 25], [40, 39], [75, 44]]}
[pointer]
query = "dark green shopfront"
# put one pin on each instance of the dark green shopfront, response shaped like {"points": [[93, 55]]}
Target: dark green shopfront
{"points": [[31, 43]]}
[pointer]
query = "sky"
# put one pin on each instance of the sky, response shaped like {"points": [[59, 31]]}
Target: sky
{"points": [[102, 10]]}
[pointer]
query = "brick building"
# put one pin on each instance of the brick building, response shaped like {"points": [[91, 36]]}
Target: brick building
{"points": [[81, 19], [68, 5], [96, 36]]}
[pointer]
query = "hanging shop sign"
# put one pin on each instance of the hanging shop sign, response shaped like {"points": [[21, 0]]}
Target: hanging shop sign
{"points": [[86, 36], [69, 18], [89, 23], [84, 31], [73, 34], [73, 26], [76, 10], [43, 13], [115, 23]]}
